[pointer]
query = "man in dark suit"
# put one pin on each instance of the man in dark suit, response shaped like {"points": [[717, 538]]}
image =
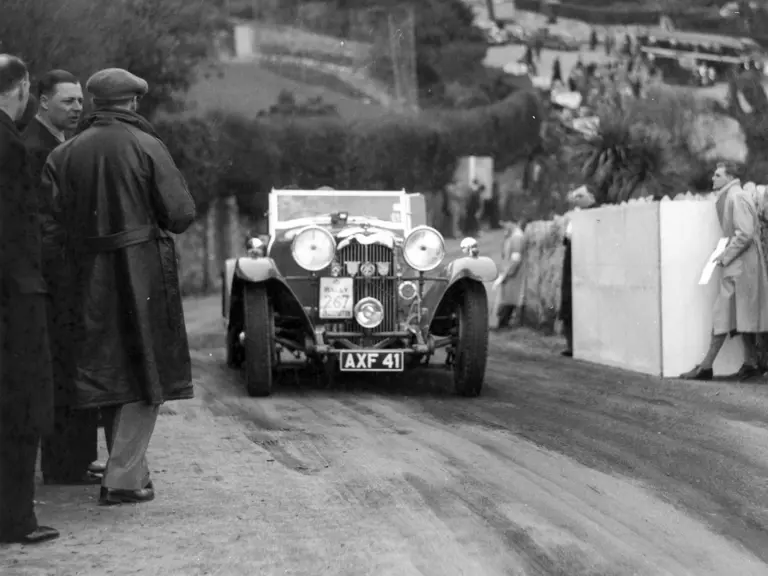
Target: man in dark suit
{"points": [[26, 383], [71, 449]]}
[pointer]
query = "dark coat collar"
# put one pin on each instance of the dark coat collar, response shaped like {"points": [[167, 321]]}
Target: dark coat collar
{"points": [[6, 122]]}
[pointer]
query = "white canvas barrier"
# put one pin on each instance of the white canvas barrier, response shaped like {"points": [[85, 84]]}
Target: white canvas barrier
{"points": [[637, 303], [244, 40]]}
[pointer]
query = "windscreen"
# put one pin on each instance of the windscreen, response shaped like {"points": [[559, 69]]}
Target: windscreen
{"points": [[296, 207]]}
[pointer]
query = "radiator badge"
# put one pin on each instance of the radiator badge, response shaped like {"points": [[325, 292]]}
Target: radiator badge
{"points": [[368, 269], [352, 268]]}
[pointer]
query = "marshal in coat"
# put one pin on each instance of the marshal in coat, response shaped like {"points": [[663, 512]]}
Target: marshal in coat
{"points": [[117, 194], [742, 302]]}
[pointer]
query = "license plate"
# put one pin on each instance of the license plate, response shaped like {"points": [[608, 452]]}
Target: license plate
{"points": [[370, 361], [336, 298]]}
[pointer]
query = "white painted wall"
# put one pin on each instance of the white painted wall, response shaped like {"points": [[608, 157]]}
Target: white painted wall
{"points": [[616, 287], [689, 232], [636, 298]]}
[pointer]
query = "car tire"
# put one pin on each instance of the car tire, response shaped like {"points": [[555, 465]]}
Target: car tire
{"points": [[259, 341], [234, 350], [471, 345]]}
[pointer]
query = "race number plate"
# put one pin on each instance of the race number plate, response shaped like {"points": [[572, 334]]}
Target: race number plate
{"points": [[336, 298], [370, 361]]}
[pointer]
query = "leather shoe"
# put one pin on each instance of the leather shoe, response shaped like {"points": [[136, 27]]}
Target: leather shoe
{"points": [[97, 467], [37, 536], [87, 479], [109, 497], [746, 374], [698, 373], [567, 353]]}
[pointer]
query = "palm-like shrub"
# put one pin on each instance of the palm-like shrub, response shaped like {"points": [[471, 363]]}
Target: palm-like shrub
{"points": [[640, 149]]}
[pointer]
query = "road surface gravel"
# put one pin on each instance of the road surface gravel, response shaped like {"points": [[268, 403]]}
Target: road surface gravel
{"points": [[561, 468]]}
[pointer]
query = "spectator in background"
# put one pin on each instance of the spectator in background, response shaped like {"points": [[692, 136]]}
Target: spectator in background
{"points": [[510, 285], [130, 351], [761, 205], [471, 217], [627, 48], [557, 72], [26, 382], [528, 59], [578, 199], [455, 201], [492, 208], [608, 43], [71, 449], [593, 40], [741, 306]]}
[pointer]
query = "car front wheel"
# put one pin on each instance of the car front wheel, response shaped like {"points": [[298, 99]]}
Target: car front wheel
{"points": [[471, 344], [259, 341]]}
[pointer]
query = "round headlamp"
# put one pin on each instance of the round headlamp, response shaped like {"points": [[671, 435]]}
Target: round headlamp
{"points": [[369, 312], [424, 248], [313, 248]]}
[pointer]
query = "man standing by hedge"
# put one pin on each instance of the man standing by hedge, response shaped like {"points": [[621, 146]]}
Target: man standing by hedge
{"points": [[72, 447], [117, 194]]}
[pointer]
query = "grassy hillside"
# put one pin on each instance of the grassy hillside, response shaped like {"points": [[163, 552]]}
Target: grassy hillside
{"points": [[247, 88]]}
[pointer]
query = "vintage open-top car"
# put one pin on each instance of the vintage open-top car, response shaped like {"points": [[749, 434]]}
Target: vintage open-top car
{"points": [[355, 282]]}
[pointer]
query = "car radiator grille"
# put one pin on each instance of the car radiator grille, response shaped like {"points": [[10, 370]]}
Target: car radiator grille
{"points": [[382, 285]]}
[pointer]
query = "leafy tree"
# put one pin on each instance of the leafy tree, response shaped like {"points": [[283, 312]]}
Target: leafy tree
{"points": [[163, 41], [166, 43], [448, 47]]}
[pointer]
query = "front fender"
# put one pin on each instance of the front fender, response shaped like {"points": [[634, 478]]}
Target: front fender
{"points": [[439, 295], [256, 269], [243, 271]]}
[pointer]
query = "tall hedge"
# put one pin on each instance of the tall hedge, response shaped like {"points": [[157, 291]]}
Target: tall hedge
{"points": [[417, 152]]}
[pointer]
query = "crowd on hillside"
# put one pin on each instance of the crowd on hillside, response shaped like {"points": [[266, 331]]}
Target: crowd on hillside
{"points": [[91, 318]]}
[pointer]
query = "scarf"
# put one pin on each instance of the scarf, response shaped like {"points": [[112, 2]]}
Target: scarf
{"points": [[106, 116]]}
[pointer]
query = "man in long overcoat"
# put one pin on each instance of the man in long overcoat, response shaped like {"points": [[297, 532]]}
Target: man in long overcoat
{"points": [[71, 448], [741, 306], [26, 394], [117, 194]]}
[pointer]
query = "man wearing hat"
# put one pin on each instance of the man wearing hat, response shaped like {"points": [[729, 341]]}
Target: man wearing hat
{"points": [[117, 195]]}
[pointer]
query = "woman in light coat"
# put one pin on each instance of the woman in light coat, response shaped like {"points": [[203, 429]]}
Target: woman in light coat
{"points": [[510, 285]]}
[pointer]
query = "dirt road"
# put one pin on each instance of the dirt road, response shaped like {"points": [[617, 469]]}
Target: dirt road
{"points": [[560, 469]]}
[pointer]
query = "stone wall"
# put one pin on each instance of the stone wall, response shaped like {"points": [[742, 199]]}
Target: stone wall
{"points": [[215, 236]]}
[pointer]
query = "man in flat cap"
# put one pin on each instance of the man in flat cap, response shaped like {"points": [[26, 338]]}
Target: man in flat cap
{"points": [[116, 196], [26, 382]]}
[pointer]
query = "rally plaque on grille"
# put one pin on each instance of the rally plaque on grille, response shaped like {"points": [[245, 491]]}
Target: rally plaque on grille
{"points": [[371, 361], [336, 298]]}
